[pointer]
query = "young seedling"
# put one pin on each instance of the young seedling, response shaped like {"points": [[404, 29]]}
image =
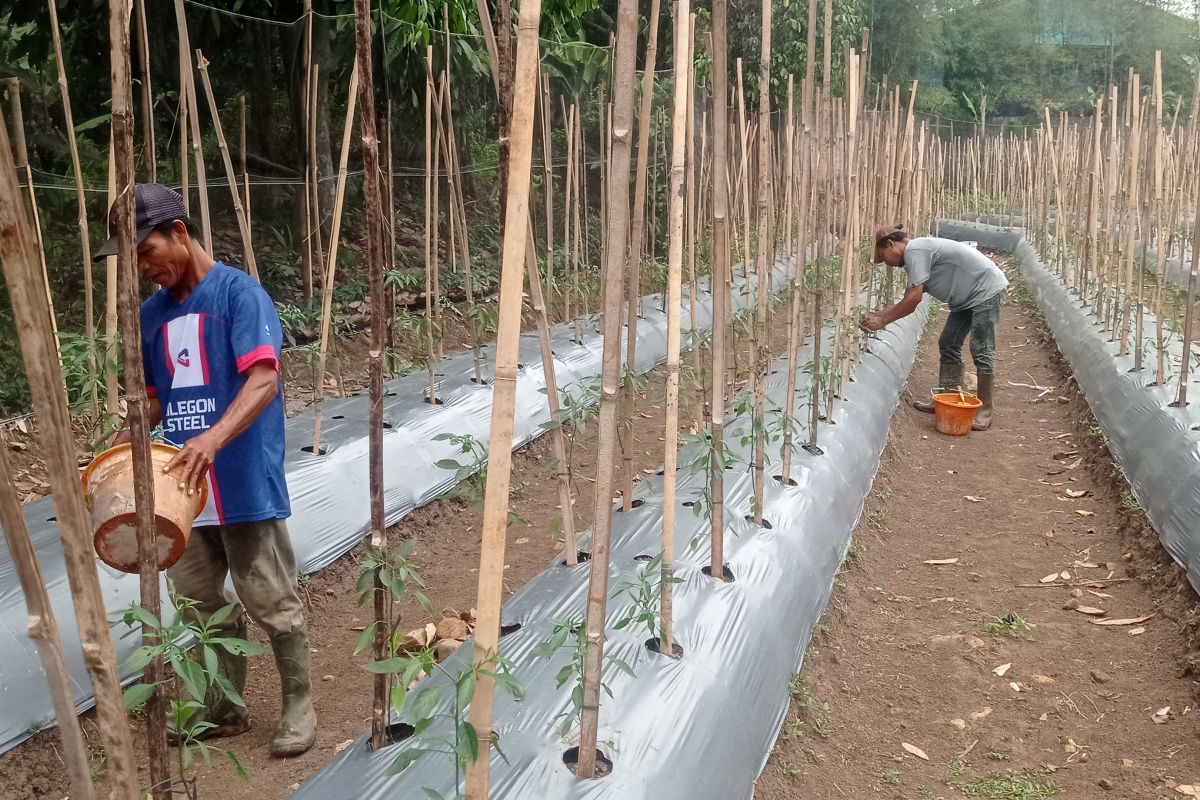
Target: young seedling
{"points": [[470, 473], [572, 633], [642, 589], [192, 647]]}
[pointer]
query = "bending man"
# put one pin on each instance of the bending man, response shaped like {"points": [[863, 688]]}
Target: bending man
{"points": [[966, 280], [210, 348]]}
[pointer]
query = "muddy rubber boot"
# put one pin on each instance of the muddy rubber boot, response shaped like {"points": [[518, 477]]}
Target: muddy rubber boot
{"points": [[228, 718], [949, 377], [983, 417], [297, 729]]}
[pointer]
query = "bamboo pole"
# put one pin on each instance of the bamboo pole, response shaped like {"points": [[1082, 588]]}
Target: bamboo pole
{"points": [[368, 132], [314, 200], [136, 401], [245, 174], [20, 152], [430, 225], [306, 253], [496, 494], [149, 151], [616, 253], [31, 314], [238, 210], [698, 406], [43, 630], [187, 79], [89, 312], [1133, 197], [628, 401], [675, 218], [331, 267], [718, 278], [765, 251]]}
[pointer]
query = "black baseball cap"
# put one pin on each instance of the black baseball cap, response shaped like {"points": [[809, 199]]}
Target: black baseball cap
{"points": [[155, 204]]}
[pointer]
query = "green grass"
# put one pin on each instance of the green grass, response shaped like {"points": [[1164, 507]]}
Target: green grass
{"points": [[958, 766], [890, 777], [1012, 625], [1026, 785], [925, 794]]}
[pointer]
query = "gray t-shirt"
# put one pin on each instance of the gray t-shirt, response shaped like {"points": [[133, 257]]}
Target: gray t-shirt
{"points": [[953, 272]]}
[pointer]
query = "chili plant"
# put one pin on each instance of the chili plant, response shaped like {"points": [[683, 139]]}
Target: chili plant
{"points": [[471, 472], [192, 647], [572, 633], [642, 589]]}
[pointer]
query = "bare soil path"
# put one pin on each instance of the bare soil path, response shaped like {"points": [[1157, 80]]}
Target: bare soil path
{"points": [[980, 678]]}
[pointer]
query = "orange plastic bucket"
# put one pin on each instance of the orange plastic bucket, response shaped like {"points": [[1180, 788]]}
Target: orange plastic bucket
{"points": [[109, 492], [953, 412]]}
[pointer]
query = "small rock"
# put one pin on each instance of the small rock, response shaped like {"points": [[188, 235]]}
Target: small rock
{"points": [[1042, 679], [961, 724], [1077, 593], [1105, 783], [1099, 676], [1083, 757], [327, 678], [1127, 763], [452, 628], [444, 648]]}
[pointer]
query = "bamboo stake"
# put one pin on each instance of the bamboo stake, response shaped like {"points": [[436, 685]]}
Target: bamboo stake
{"points": [[89, 313], [765, 250], [43, 629], [719, 277], [496, 496], [699, 412], [616, 252], [149, 151], [22, 160], [112, 395], [314, 200], [430, 225], [331, 267], [245, 174], [231, 176], [1130, 232], [548, 175], [188, 80], [31, 314], [633, 276], [136, 401], [675, 217], [306, 254]]}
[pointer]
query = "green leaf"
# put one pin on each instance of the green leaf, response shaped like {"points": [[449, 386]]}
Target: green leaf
{"points": [[238, 769], [448, 464], [94, 122], [388, 666], [469, 741], [464, 690], [192, 675], [138, 695], [366, 638], [425, 701], [399, 695]]}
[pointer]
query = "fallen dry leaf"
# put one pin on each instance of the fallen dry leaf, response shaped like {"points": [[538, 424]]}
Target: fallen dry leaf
{"points": [[1188, 790], [939, 561], [1123, 621], [961, 724], [1086, 565], [1161, 716], [1076, 493], [1066, 576], [522, 540], [1138, 631], [1016, 687], [916, 751], [1091, 611], [978, 715], [973, 498], [1100, 594], [1051, 578], [1000, 670], [342, 745]]}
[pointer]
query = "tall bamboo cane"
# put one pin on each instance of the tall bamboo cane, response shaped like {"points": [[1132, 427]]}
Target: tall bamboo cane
{"points": [[765, 251], [616, 252], [717, 281], [496, 493]]}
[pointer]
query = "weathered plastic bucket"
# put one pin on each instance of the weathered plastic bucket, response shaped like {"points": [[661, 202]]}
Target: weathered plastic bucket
{"points": [[109, 491], [953, 412]]}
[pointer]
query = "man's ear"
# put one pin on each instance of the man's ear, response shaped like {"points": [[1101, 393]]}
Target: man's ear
{"points": [[179, 232]]}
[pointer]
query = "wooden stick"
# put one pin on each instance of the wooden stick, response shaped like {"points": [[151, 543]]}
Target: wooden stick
{"points": [[245, 174], [31, 315], [89, 313], [43, 629], [719, 277], [331, 267], [231, 176], [430, 224], [616, 252], [307, 257], [188, 80], [314, 201], [765, 250], [634, 262], [675, 218], [496, 492], [149, 151]]}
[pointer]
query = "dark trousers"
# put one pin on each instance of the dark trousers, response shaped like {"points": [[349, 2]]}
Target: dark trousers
{"points": [[980, 322]]}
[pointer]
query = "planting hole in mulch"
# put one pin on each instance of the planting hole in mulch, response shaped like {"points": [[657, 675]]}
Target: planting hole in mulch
{"points": [[655, 646], [643, 557], [604, 764], [337, 416], [51, 519], [387, 426], [390, 394], [308, 448], [789, 482], [813, 449], [481, 381], [689, 503], [399, 731], [726, 572], [638, 503], [512, 627], [582, 556], [766, 523], [437, 402]]}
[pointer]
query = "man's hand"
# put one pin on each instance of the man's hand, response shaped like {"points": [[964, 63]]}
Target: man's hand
{"points": [[192, 463], [872, 322]]}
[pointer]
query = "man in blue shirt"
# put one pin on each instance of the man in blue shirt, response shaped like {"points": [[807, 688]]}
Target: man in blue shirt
{"points": [[211, 343]]}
